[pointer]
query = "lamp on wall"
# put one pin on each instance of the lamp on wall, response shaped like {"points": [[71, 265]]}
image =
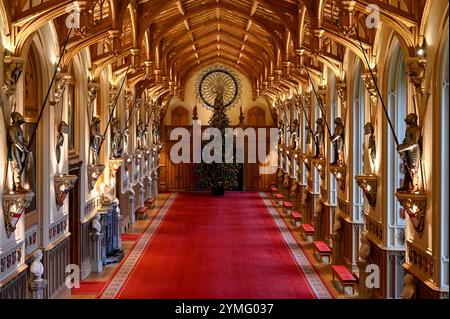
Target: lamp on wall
{"points": [[14, 205], [63, 185], [319, 163], [340, 173], [368, 183], [306, 159], [415, 205]]}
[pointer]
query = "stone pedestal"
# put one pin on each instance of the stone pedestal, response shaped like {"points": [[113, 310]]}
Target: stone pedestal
{"points": [[37, 288], [97, 253], [337, 254], [111, 231]]}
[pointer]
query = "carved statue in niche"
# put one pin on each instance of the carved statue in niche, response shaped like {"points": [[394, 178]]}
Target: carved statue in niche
{"points": [[309, 134], [410, 152], [364, 250], [195, 113], [320, 138], [337, 225], [95, 140], [140, 133], [117, 150], [369, 130], [409, 289], [293, 143], [338, 139], [280, 132], [17, 149], [63, 128]]}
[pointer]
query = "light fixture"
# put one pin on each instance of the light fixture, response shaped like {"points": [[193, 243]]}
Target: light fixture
{"points": [[339, 172], [94, 172], [319, 164], [415, 205], [306, 160], [63, 185], [14, 205], [421, 52], [368, 183]]}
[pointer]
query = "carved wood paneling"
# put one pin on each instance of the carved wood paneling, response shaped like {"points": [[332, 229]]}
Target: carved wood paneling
{"points": [[55, 262], [16, 288]]}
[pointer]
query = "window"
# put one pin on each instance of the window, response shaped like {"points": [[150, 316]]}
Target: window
{"points": [[397, 109], [334, 113], [359, 121]]}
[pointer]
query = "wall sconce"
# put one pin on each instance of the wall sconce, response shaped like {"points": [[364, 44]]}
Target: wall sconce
{"points": [[339, 172], [319, 163], [368, 184], [94, 173], [14, 205], [306, 159], [415, 205], [63, 185]]}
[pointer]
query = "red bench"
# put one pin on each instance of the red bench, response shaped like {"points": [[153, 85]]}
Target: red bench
{"points": [[296, 218], [287, 207], [322, 250], [279, 198], [274, 191], [344, 277], [150, 203], [307, 231], [141, 212]]}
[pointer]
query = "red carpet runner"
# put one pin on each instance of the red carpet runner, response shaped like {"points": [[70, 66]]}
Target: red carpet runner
{"points": [[200, 246]]}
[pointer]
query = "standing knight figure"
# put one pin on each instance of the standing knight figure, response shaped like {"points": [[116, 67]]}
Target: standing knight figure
{"points": [[293, 143], [320, 138], [140, 133], [116, 138], [338, 140], [95, 140], [280, 132], [63, 128], [410, 151], [17, 149], [369, 130]]}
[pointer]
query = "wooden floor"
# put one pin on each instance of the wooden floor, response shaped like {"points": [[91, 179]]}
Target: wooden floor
{"points": [[140, 226]]}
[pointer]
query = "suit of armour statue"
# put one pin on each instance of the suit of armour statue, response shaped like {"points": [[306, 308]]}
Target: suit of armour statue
{"points": [[95, 140], [319, 135], [338, 140], [17, 150], [410, 152]]}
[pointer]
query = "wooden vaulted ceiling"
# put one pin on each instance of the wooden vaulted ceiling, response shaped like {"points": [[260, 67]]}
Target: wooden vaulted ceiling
{"points": [[168, 40]]}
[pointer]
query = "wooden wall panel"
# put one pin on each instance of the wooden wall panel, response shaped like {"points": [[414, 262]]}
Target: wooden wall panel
{"points": [[181, 177]]}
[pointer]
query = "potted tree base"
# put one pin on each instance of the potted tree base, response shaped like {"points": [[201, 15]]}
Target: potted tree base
{"points": [[218, 190]]}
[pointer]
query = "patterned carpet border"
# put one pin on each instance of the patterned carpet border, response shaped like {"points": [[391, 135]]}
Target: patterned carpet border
{"points": [[311, 274], [126, 268]]}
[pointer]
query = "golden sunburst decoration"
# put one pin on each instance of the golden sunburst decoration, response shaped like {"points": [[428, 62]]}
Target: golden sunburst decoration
{"points": [[219, 79]]}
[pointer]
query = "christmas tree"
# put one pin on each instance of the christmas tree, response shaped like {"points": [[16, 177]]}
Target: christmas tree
{"points": [[220, 176]]}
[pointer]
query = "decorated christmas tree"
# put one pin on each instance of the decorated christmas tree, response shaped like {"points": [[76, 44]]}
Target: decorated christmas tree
{"points": [[219, 176]]}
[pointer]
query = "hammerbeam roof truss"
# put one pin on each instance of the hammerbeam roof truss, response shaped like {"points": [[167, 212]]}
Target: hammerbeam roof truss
{"points": [[171, 39]]}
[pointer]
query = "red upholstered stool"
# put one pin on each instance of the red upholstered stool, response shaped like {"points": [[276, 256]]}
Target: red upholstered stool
{"points": [[280, 199], [287, 207], [150, 203], [274, 191], [296, 218], [307, 232], [322, 250], [141, 213], [344, 276]]}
